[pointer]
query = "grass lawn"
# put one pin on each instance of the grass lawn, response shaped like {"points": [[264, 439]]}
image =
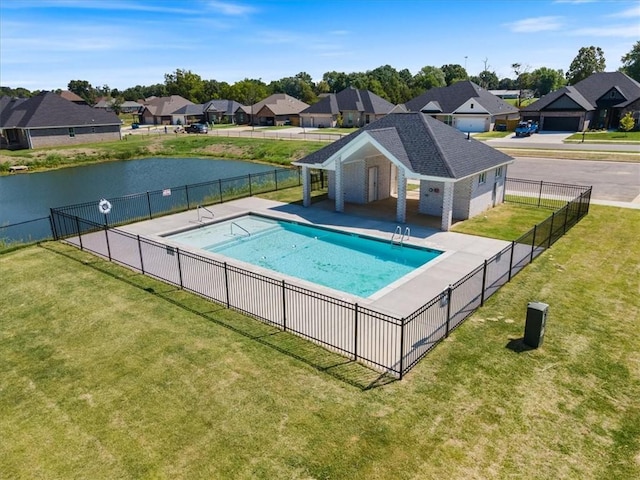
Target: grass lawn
{"points": [[110, 374], [341, 131], [507, 221], [623, 137], [485, 135]]}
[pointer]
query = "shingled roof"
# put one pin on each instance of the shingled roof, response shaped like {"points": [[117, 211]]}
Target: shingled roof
{"points": [[226, 107], [423, 145], [450, 98], [351, 99], [587, 92], [50, 110], [280, 104], [164, 106]]}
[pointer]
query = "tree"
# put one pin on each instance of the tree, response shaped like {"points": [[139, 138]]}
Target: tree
{"points": [[84, 90], [487, 80], [186, 84], [545, 80], [627, 123], [507, 84], [454, 73], [631, 62], [337, 81], [249, 91], [589, 60], [429, 77]]}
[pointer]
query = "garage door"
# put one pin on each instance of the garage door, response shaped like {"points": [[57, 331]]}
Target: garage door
{"points": [[471, 124], [561, 124]]}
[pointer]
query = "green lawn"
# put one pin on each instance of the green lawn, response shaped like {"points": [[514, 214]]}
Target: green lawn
{"points": [[485, 135], [630, 137], [110, 374], [341, 131]]}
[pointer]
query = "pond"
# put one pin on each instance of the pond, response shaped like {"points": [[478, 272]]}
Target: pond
{"points": [[25, 197]]}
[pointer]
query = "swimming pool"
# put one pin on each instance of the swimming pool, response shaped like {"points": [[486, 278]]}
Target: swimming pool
{"points": [[342, 261]]}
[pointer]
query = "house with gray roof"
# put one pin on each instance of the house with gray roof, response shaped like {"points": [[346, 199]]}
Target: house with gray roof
{"points": [[598, 101], [465, 106], [458, 177], [162, 110], [47, 120], [350, 107], [222, 111]]}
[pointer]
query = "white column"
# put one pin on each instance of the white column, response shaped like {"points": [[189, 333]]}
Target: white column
{"points": [[447, 206], [401, 204], [339, 186], [306, 186]]}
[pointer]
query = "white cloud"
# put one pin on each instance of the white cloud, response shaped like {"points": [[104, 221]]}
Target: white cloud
{"points": [[632, 12], [227, 8], [535, 24]]}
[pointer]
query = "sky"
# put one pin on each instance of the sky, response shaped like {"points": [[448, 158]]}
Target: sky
{"points": [[44, 44]]}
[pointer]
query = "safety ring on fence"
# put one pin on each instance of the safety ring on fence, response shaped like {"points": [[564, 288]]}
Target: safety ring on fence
{"points": [[104, 206]]}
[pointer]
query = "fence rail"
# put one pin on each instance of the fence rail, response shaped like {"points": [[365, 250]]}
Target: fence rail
{"points": [[385, 342]]}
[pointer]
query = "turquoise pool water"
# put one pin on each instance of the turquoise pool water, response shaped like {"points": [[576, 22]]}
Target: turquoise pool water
{"points": [[350, 263]]}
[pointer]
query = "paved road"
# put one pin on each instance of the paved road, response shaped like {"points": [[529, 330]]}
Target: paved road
{"points": [[611, 181]]}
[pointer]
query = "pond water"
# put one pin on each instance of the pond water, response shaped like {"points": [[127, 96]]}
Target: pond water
{"points": [[28, 196]]}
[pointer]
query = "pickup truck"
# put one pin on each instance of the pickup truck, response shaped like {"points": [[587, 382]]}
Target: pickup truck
{"points": [[525, 129]]}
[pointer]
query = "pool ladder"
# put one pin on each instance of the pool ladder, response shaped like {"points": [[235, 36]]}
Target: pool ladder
{"points": [[402, 236], [200, 217]]}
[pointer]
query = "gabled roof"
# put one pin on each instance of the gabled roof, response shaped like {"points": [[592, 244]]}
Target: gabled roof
{"points": [[163, 106], [452, 97], [226, 107], [588, 91], [72, 97], [50, 110], [192, 109], [423, 145], [351, 99], [279, 104]]}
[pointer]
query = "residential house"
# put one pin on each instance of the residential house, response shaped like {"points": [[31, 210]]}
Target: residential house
{"points": [[458, 177], [161, 110], [222, 111], [350, 107], [47, 120], [188, 114], [599, 101], [276, 109], [465, 106], [72, 97], [128, 106]]}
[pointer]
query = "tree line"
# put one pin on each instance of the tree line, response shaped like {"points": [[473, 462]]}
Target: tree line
{"points": [[396, 86]]}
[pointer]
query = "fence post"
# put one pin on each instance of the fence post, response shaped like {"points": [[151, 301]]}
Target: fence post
{"points": [[355, 333], [513, 247], [220, 189], [566, 214], [226, 284], [284, 307], [275, 176], [540, 194], [484, 283], [140, 253], [402, 325], [551, 230], [106, 236], [448, 311], [52, 227], [79, 234], [533, 242], [179, 266], [249, 184], [186, 192], [149, 205]]}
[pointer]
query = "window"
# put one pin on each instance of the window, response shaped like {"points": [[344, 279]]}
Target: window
{"points": [[482, 178], [499, 172], [613, 94], [471, 106], [72, 132]]}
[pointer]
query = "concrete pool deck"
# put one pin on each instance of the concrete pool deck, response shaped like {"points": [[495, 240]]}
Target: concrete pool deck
{"points": [[462, 253]]}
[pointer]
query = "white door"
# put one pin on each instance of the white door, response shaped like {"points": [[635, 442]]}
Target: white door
{"points": [[471, 124], [373, 184]]}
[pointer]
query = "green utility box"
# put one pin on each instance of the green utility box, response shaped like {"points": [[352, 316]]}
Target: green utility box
{"points": [[535, 324]]}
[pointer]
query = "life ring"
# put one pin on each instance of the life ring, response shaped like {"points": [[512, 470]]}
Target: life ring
{"points": [[104, 206]]}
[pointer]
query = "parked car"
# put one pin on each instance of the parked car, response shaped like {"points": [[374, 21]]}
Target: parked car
{"points": [[525, 129], [197, 128], [135, 126]]}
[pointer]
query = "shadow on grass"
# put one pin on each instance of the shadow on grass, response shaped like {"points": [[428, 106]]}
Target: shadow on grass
{"points": [[517, 345], [338, 366]]}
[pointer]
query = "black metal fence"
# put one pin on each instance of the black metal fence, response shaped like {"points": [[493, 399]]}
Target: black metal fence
{"points": [[391, 344], [30, 231]]}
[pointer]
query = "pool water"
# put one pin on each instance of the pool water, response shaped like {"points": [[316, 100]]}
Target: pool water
{"points": [[347, 262]]}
